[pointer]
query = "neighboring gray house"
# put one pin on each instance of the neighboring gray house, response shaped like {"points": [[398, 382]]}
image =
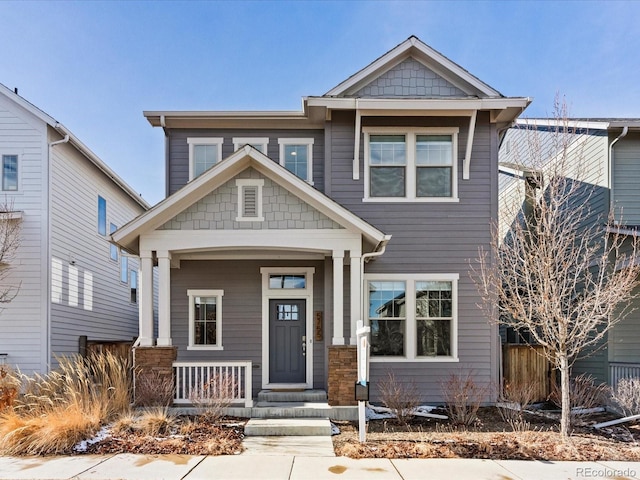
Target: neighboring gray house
{"points": [[607, 153], [281, 230], [73, 282]]}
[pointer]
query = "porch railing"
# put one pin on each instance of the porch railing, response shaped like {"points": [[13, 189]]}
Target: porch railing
{"points": [[619, 370], [198, 380]]}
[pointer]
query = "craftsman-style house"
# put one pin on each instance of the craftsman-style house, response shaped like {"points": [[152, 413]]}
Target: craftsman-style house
{"points": [[282, 230]]}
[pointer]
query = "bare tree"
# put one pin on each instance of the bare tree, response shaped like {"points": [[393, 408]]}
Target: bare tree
{"points": [[10, 228], [557, 270]]}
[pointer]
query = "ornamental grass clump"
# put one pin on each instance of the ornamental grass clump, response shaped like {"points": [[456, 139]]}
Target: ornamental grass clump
{"points": [[57, 410]]}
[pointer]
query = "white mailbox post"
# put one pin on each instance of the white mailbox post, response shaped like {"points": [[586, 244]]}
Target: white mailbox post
{"points": [[362, 336]]}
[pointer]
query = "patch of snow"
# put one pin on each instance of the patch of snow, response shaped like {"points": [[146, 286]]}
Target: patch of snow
{"points": [[102, 434], [379, 413], [334, 429]]}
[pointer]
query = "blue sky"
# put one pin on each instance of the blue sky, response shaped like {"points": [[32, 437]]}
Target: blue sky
{"points": [[95, 66]]}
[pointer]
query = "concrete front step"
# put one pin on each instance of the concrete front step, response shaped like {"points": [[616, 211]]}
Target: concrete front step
{"points": [[305, 396], [269, 427]]}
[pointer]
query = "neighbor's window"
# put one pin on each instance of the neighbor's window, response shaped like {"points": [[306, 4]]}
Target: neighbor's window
{"points": [[410, 164], [204, 153], [113, 248], [413, 317], [102, 216], [9, 172], [205, 319], [296, 155], [124, 268], [133, 282]]}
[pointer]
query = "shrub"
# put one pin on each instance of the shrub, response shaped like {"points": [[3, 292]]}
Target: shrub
{"points": [[154, 390], [155, 421], [214, 396], [584, 393], [626, 396], [65, 406], [514, 399], [463, 397], [8, 387], [401, 398]]}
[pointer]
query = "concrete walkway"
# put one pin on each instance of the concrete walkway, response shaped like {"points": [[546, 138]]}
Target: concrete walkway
{"points": [[294, 467]]}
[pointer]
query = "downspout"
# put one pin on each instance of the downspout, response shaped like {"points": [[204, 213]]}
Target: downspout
{"points": [[163, 124], [625, 130], [379, 250], [49, 232]]}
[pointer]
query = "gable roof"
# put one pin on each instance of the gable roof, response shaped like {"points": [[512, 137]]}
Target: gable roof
{"points": [[75, 141], [432, 59], [245, 157]]}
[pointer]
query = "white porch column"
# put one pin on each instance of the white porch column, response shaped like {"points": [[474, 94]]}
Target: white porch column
{"points": [[145, 333], [356, 294], [338, 297], [164, 299]]}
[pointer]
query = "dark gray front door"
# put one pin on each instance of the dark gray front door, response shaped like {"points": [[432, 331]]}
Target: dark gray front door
{"points": [[287, 336]]}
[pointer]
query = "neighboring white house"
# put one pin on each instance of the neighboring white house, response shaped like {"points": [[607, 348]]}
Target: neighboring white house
{"points": [[73, 282]]}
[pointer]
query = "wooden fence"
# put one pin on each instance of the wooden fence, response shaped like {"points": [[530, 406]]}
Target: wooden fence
{"points": [[524, 364], [119, 348]]}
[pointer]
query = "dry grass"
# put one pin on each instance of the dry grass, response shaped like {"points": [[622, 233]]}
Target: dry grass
{"points": [[626, 396], [155, 421], [61, 408], [9, 384]]}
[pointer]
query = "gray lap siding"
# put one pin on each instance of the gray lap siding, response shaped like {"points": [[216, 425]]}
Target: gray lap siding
{"points": [[241, 281], [430, 238]]}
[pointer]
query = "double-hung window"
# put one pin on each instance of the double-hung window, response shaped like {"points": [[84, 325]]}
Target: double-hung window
{"points": [[296, 155], [204, 153], [413, 317], [205, 319], [9, 173], [259, 143], [411, 164]]}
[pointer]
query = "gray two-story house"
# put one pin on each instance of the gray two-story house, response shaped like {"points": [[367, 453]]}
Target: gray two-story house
{"points": [[282, 229]]}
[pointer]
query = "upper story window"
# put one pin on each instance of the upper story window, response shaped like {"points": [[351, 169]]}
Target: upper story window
{"points": [[204, 153], [259, 143], [413, 317], [405, 164], [296, 155], [9, 172], [102, 216]]}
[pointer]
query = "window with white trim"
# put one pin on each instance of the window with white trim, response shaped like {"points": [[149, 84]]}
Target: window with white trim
{"points": [[204, 153], [259, 143], [413, 317], [9, 172], [418, 164], [296, 155], [205, 319], [102, 216], [250, 200]]}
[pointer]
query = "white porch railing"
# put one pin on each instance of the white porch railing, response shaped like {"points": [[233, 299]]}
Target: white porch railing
{"points": [[619, 370], [194, 379]]}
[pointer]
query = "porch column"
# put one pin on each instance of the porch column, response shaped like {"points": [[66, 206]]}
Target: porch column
{"points": [[338, 297], [356, 294], [145, 333], [164, 299]]}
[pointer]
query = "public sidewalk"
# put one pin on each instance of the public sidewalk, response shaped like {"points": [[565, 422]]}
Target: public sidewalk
{"points": [[294, 467]]}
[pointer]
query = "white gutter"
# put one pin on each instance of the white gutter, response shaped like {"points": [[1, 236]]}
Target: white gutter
{"points": [[356, 150], [467, 158], [48, 246], [625, 130]]}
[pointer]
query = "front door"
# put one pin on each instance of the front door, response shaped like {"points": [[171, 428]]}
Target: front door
{"points": [[287, 341]]}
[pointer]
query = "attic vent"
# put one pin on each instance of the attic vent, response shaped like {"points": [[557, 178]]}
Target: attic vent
{"points": [[249, 200]]}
